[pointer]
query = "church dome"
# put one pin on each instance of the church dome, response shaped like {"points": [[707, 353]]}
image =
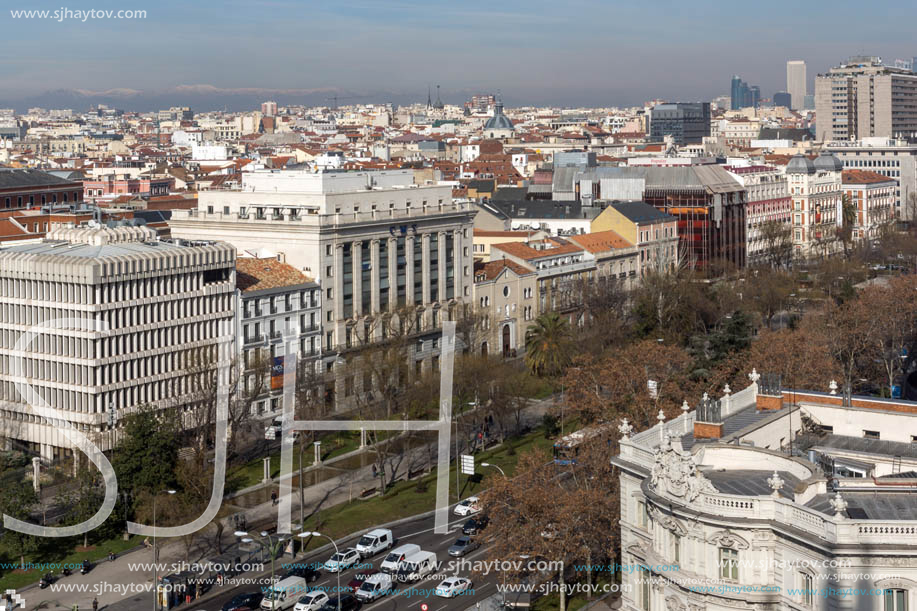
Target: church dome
{"points": [[800, 164], [827, 162], [499, 120]]}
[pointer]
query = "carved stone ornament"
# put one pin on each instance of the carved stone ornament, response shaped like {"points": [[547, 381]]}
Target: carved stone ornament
{"points": [[727, 538], [675, 472], [673, 603], [667, 522]]}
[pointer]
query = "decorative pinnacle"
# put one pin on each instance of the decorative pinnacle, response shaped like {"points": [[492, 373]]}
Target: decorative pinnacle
{"points": [[625, 429], [754, 376], [839, 505], [776, 483]]}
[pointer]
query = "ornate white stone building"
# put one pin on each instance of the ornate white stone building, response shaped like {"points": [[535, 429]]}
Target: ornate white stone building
{"points": [[136, 319], [815, 188], [772, 499]]}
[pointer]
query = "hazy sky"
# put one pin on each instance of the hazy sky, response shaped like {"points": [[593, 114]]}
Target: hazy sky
{"points": [[569, 52]]}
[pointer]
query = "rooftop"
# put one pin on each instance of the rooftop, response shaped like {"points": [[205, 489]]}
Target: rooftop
{"points": [[263, 274]]}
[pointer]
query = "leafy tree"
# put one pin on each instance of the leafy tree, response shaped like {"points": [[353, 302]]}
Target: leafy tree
{"points": [[548, 344], [145, 459], [18, 500]]}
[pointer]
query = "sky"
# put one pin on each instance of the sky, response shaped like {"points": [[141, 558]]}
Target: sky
{"points": [[569, 53]]}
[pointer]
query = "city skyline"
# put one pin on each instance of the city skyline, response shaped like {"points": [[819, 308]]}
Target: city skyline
{"points": [[472, 48]]}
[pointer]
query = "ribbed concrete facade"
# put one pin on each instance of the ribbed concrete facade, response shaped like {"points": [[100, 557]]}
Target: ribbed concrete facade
{"points": [[165, 306]]}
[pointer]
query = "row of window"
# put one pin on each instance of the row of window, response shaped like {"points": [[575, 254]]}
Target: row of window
{"points": [[8, 201]]}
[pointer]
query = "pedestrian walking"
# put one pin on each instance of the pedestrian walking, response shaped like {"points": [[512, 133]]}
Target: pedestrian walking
{"points": [[375, 472], [95, 604], [273, 497]]}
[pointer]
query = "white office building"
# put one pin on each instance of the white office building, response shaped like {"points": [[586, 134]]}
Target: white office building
{"points": [[166, 305]]}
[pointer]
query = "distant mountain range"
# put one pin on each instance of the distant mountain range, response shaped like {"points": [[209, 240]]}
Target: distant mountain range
{"points": [[200, 98]]}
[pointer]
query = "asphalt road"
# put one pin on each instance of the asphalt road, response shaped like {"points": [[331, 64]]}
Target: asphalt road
{"points": [[411, 596]]}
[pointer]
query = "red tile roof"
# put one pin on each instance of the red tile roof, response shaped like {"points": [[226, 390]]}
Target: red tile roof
{"points": [[601, 241], [261, 274], [524, 251], [492, 269], [863, 177]]}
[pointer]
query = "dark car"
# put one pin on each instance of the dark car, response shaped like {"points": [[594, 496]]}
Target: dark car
{"points": [[462, 546], [349, 602], [358, 579], [249, 600], [307, 572], [475, 525]]}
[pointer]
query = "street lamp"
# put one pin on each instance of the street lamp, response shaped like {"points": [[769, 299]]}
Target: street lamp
{"points": [[305, 534], [155, 553], [487, 464], [272, 547]]}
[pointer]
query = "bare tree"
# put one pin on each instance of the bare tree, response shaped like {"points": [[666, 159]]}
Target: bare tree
{"points": [[777, 239]]}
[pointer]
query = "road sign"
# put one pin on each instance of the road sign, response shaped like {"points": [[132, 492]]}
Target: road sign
{"points": [[467, 464]]}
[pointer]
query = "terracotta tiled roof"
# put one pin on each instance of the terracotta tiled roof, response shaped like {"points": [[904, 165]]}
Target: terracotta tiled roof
{"points": [[863, 177], [524, 251], [492, 269], [261, 274], [601, 241]]}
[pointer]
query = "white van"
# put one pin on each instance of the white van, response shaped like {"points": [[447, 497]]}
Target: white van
{"points": [[284, 594], [417, 566], [398, 555], [375, 541], [376, 586]]}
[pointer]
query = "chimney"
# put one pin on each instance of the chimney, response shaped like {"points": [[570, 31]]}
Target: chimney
{"points": [[770, 393], [708, 421]]}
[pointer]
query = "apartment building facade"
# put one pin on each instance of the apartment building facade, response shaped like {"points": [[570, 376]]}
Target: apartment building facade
{"points": [[768, 201], [278, 312], [653, 232], [167, 306], [864, 98], [27, 188], [895, 159], [873, 196], [816, 190]]}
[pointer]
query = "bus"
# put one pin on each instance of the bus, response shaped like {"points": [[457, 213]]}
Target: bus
{"points": [[567, 447]]}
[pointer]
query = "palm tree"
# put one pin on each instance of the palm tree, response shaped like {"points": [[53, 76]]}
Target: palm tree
{"points": [[547, 344]]}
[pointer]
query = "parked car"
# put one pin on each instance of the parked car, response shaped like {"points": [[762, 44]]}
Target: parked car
{"points": [[462, 546], [452, 586], [342, 560], [475, 525], [375, 541], [358, 579], [249, 600], [312, 601], [468, 507], [349, 602]]}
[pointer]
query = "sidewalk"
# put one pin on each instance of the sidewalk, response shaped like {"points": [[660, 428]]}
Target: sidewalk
{"points": [[107, 580]]}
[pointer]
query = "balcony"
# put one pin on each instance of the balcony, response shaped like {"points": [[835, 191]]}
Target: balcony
{"points": [[254, 339]]}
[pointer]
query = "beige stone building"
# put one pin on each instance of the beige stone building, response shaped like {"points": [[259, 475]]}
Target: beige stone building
{"points": [[505, 291]]}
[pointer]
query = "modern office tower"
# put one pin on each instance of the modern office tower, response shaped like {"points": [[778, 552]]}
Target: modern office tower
{"points": [[687, 123], [782, 98], [796, 83], [863, 98], [166, 307]]}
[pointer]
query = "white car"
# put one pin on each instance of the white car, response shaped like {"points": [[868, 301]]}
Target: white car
{"points": [[452, 586], [467, 507], [311, 601], [342, 560]]}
